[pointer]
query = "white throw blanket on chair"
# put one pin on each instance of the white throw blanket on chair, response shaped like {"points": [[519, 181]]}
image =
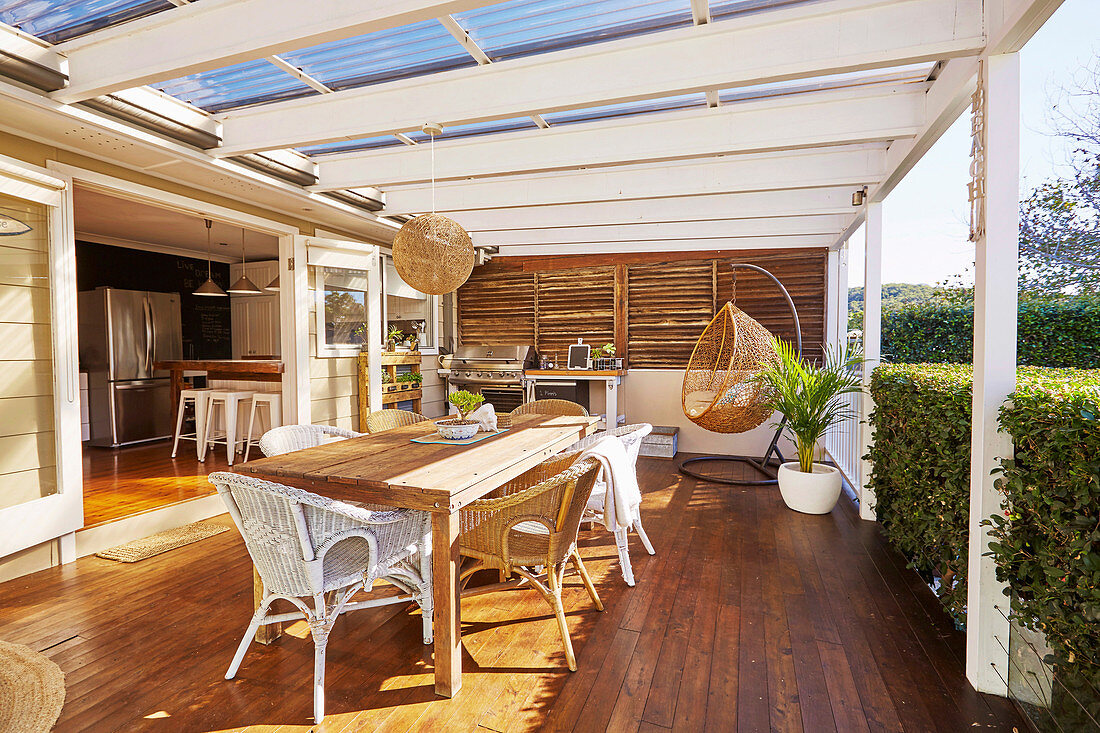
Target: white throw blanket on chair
{"points": [[623, 497]]}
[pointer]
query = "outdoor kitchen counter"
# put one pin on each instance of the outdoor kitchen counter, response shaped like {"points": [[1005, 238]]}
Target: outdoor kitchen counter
{"points": [[610, 377], [250, 370]]}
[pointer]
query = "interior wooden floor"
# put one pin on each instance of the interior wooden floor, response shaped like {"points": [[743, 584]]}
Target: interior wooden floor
{"points": [[120, 482], [750, 617]]}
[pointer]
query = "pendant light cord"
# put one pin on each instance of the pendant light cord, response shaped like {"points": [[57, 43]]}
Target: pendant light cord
{"points": [[432, 135], [209, 252]]}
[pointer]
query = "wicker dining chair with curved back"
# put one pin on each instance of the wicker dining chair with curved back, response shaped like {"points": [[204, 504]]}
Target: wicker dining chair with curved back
{"points": [[290, 438], [389, 419], [306, 546], [531, 522], [551, 407]]}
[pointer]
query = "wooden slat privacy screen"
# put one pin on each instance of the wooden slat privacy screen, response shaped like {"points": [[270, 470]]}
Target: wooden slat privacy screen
{"points": [[651, 308]]}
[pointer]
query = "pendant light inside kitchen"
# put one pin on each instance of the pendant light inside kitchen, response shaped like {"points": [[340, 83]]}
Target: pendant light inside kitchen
{"points": [[431, 252], [244, 286], [209, 287]]}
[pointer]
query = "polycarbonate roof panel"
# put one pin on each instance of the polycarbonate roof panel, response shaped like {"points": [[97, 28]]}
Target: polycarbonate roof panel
{"points": [[239, 85], [478, 128], [347, 146], [55, 21], [626, 109], [395, 53], [525, 27], [725, 8], [914, 73]]}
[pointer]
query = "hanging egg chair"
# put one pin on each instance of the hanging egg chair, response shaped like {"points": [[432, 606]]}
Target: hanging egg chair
{"points": [[722, 390]]}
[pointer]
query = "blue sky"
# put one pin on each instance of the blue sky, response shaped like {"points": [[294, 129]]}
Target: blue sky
{"points": [[926, 217]]}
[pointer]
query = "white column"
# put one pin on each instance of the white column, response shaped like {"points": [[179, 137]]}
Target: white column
{"points": [[994, 367], [872, 339], [375, 303], [841, 323], [294, 335], [832, 298]]}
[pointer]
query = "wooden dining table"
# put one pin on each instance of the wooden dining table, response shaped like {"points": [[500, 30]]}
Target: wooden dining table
{"points": [[388, 468]]}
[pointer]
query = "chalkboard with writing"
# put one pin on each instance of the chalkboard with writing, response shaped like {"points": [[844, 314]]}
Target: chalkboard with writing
{"points": [[206, 321]]}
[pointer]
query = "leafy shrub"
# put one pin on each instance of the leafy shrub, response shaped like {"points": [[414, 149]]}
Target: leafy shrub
{"points": [[1048, 546], [921, 474], [1054, 333]]}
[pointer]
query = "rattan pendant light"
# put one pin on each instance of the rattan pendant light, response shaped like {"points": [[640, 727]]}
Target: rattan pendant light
{"points": [[431, 252]]}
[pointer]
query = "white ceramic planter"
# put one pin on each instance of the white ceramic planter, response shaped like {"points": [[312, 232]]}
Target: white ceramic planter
{"points": [[450, 431], [809, 493]]}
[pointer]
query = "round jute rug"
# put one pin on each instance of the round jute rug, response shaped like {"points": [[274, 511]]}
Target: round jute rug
{"points": [[32, 690]]}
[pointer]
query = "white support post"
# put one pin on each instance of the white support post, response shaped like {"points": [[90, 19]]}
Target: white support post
{"points": [[294, 314], [832, 298], [994, 367], [842, 304], [375, 304], [872, 342]]}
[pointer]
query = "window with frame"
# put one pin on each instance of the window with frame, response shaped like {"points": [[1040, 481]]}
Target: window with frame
{"points": [[342, 310], [406, 308]]}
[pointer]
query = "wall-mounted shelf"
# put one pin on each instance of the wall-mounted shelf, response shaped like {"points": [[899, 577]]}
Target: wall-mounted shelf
{"points": [[392, 392]]}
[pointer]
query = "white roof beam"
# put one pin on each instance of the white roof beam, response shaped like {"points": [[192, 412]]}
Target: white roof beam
{"points": [[700, 12], [783, 44], [828, 225], [215, 33], [297, 73], [852, 166], [674, 245], [835, 117], [1011, 24], [726, 207]]}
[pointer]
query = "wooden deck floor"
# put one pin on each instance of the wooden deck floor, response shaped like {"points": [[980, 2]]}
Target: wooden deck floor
{"points": [[120, 482], [749, 618]]}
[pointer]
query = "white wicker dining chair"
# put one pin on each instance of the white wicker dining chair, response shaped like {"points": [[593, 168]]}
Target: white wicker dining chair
{"points": [[631, 436], [306, 546], [290, 438]]}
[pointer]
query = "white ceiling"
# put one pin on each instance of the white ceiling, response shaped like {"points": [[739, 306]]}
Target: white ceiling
{"points": [[112, 220]]}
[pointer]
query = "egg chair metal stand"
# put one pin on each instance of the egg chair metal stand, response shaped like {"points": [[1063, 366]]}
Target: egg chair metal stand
{"points": [[768, 464]]}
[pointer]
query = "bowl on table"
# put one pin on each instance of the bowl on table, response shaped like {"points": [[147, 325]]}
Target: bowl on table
{"points": [[457, 429]]}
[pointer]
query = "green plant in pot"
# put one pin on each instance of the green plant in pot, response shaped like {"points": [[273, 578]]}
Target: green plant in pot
{"points": [[461, 427], [394, 336], [812, 401]]}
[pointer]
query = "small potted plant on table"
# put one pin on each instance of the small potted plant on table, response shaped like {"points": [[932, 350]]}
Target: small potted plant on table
{"points": [[811, 401], [462, 427]]}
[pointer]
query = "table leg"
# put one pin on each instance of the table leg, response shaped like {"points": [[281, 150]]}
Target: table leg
{"points": [[177, 387], [447, 623], [270, 632]]}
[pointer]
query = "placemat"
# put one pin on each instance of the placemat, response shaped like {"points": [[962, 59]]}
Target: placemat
{"points": [[437, 438]]}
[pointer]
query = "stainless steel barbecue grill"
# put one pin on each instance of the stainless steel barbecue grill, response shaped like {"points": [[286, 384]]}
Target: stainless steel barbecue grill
{"points": [[494, 371]]}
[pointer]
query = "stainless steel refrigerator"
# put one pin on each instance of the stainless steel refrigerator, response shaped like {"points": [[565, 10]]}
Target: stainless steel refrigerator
{"points": [[122, 332]]}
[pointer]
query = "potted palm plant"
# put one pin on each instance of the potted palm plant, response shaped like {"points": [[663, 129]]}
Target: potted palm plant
{"points": [[461, 427], [811, 399]]}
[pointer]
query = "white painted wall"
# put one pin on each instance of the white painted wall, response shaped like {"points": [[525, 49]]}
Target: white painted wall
{"points": [[653, 396]]}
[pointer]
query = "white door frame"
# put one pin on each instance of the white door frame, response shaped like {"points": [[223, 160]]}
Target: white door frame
{"points": [[294, 331], [58, 515]]}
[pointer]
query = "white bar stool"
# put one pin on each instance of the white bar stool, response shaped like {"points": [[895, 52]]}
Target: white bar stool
{"points": [[199, 398], [273, 401], [230, 401]]}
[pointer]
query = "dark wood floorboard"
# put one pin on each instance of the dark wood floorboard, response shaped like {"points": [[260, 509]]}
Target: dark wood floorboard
{"points": [[750, 617]]}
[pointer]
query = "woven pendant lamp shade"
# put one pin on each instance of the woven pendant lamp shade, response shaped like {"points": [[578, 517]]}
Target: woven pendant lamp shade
{"points": [[433, 254], [722, 391]]}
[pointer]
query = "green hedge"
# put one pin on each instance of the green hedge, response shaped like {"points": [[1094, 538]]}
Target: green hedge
{"points": [[1047, 547], [1053, 333], [921, 475]]}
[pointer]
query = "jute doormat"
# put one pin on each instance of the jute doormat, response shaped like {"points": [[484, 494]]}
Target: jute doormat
{"points": [[160, 542], [32, 690]]}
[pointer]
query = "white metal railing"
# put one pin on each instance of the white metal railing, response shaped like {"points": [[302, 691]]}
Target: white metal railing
{"points": [[844, 443]]}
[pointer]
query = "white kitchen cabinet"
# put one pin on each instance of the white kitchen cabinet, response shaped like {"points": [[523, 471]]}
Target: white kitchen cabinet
{"points": [[255, 318]]}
